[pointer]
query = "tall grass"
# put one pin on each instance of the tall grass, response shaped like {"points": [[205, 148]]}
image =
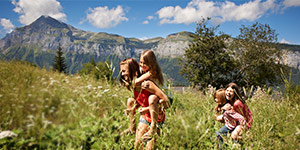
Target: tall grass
{"points": [[49, 110]]}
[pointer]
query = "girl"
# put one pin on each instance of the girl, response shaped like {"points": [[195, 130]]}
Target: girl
{"points": [[233, 95], [130, 70], [234, 122], [151, 70]]}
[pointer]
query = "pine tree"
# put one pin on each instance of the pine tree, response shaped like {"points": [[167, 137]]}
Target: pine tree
{"points": [[59, 61]]}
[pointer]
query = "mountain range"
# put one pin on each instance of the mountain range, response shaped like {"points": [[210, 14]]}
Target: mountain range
{"points": [[39, 41]]}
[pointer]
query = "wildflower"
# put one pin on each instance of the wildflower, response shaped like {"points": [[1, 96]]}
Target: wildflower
{"points": [[99, 87], [1, 95], [5, 134], [89, 86], [115, 95], [46, 123], [106, 90], [30, 117], [30, 125]]}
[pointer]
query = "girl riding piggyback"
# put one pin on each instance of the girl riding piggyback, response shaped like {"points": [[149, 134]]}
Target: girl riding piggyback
{"points": [[150, 69]]}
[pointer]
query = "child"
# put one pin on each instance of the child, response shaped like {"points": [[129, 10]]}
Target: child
{"points": [[234, 122], [151, 70]]}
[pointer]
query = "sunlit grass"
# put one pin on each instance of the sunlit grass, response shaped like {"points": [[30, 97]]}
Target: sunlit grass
{"points": [[57, 111]]}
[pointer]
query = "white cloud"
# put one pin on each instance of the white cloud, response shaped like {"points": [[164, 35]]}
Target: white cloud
{"points": [[218, 11], [290, 3], [102, 17], [146, 22], [144, 38], [150, 17], [7, 25], [30, 10], [285, 41]]}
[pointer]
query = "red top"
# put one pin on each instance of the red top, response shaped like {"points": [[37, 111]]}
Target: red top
{"points": [[243, 109], [142, 98]]}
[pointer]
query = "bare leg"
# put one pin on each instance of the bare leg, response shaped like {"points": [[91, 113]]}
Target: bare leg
{"points": [[153, 107], [237, 132], [151, 144], [141, 130], [130, 111]]}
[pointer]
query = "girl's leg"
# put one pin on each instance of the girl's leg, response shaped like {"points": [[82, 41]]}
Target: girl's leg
{"points": [[141, 130], [130, 111], [153, 108], [151, 144], [223, 131], [236, 133]]}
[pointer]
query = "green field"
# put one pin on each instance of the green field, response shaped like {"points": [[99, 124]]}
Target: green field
{"points": [[49, 110]]}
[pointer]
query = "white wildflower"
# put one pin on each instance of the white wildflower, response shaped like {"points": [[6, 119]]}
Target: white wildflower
{"points": [[46, 123], [52, 81], [29, 95], [115, 95], [89, 86], [106, 90], [5, 134], [30, 125], [30, 117], [99, 87]]}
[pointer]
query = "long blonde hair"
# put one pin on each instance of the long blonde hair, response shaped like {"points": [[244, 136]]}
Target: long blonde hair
{"points": [[154, 68]]}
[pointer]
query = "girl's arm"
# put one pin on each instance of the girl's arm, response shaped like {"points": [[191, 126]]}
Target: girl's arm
{"points": [[158, 92], [143, 77]]}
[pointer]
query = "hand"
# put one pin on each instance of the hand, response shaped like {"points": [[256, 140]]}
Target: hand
{"points": [[143, 110], [145, 85], [220, 118], [226, 107], [164, 103]]}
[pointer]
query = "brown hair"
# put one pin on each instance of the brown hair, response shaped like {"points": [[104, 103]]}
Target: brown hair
{"points": [[133, 68], [154, 68], [237, 94], [220, 95]]}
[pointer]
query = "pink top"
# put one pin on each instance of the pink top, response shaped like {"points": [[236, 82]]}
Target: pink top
{"points": [[232, 119], [243, 109], [142, 98]]}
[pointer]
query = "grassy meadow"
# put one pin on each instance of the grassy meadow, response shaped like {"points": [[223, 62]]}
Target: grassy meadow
{"points": [[49, 110]]}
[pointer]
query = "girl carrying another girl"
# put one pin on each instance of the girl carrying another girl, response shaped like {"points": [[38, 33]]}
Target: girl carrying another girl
{"points": [[234, 122], [129, 71]]}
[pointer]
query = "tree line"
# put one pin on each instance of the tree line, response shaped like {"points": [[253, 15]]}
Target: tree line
{"points": [[216, 59]]}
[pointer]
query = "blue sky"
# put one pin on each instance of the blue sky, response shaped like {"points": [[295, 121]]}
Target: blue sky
{"points": [[156, 18]]}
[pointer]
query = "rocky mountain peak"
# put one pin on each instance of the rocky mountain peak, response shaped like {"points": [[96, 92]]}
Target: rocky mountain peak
{"points": [[43, 21]]}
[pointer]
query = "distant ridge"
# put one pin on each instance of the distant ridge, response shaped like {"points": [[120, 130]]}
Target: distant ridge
{"points": [[38, 42]]}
